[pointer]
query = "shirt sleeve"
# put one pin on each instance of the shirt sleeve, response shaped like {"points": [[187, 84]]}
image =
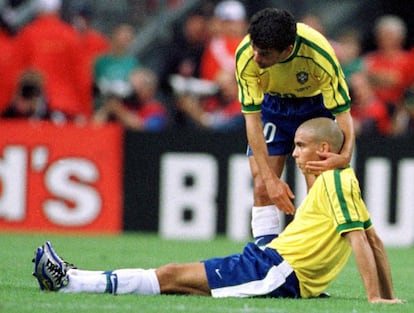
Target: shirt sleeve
{"points": [[347, 206], [333, 86], [250, 92]]}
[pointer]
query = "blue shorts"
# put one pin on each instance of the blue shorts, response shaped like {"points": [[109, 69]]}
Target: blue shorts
{"points": [[257, 272], [282, 116]]}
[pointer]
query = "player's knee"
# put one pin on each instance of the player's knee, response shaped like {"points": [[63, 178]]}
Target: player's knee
{"points": [[167, 277]]}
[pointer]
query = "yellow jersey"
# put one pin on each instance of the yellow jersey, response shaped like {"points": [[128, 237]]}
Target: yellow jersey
{"points": [[313, 243], [311, 69]]}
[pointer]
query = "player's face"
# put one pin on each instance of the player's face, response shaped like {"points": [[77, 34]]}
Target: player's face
{"points": [[305, 150], [268, 57]]}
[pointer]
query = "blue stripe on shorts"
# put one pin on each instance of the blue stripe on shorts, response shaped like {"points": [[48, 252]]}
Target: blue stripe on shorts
{"points": [[256, 272], [282, 116]]}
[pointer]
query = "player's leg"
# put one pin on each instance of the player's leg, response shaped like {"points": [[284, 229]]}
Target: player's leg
{"points": [[265, 221], [122, 281], [187, 278], [171, 278], [55, 274]]}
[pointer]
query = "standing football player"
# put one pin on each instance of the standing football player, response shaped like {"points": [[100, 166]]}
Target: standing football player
{"points": [[287, 73]]}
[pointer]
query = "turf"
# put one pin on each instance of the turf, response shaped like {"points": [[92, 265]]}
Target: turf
{"points": [[19, 292]]}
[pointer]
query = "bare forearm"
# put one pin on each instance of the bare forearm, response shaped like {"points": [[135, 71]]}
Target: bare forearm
{"points": [[384, 274], [100, 116], [345, 123], [383, 266], [364, 258], [257, 143], [126, 118]]}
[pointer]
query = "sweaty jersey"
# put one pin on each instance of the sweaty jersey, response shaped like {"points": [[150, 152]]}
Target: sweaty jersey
{"points": [[313, 243], [311, 69]]}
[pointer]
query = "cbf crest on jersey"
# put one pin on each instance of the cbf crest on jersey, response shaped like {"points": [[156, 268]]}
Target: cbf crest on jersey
{"points": [[302, 77]]}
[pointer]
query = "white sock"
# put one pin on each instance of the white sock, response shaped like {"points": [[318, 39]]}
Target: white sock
{"points": [[124, 281], [75, 271], [265, 221]]}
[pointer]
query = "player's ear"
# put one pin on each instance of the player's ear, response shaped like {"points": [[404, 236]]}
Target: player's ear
{"points": [[289, 49], [324, 147]]}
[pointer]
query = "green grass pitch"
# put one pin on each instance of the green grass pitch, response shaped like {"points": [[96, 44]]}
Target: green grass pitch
{"points": [[19, 291]]}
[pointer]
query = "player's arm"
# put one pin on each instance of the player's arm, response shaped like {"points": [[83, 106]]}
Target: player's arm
{"points": [[279, 192], [383, 266], [346, 124], [367, 266]]}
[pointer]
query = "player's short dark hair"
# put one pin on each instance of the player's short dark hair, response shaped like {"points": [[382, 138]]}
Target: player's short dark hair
{"points": [[272, 28]]}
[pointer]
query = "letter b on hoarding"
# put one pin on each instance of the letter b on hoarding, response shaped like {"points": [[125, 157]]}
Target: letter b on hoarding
{"points": [[188, 196]]}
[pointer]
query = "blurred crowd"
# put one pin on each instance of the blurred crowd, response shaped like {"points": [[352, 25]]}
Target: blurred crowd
{"points": [[66, 70]]}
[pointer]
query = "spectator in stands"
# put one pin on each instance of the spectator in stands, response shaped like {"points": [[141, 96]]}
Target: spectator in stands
{"points": [[138, 110], [29, 101], [182, 55], [229, 26], [181, 58], [7, 65], [112, 69], [220, 112], [369, 113], [408, 102], [389, 67], [52, 46], [350, 56], [93, 42], [403, 122]]}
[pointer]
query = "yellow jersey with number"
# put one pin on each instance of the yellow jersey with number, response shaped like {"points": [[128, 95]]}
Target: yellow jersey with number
{"points": [[311, 69], [313, 243]]}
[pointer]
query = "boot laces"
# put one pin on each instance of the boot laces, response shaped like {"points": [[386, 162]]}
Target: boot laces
{"points": [[56, 273]]}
